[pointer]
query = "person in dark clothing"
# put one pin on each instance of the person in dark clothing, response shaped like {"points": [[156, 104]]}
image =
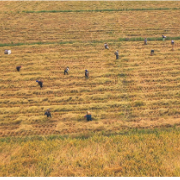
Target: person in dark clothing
{"points": [[88, 116], [86, 73], [48, 113], [18, 68], [152, 52], [40, 83], [117, 54], [66, 70], [163, 37]]}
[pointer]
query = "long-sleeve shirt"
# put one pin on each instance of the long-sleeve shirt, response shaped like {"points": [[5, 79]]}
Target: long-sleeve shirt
{"points": [[88, 116], [48, 114]]}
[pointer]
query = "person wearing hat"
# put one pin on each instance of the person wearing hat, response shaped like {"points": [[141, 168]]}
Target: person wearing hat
{"points": [[88, 116], [117, 54], [18, 68], [86, 73], [66, 70], [48, 113], [40, 83]]}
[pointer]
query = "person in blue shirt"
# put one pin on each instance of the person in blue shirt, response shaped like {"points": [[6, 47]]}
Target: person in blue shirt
{"points": [[88, 116], [48, 113], [40, 83], [86, 73]]}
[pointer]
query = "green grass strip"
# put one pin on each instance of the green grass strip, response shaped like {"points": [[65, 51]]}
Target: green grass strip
{"points": [[90, 42], [100, 10]]}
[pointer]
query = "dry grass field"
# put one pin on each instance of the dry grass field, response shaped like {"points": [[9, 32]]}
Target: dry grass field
{"points": [[135, 91], [129, 154], [53, 27], [41, 5]]}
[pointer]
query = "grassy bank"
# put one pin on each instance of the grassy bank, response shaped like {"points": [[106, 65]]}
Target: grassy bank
{"points": [[91, 42], [101, 10]]}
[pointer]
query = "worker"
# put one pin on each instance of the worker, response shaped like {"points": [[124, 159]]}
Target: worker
{"points": [[106, 46], [40, 83], [172, 43], [145, 41], [152, 52], [163, 37], [117, 54], [88, 116], [86, 73], [48, 113], [66, 70], [18, 68]]}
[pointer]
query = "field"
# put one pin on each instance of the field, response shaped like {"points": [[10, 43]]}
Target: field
{"points": [[137, 91], [133, 153]]}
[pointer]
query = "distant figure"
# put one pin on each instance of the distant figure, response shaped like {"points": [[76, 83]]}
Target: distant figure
{"points": [[66, 70], [86, 73], [88, 116], [48, 113], [40, 83], [152, 52], [172, 43], [117, 54], [7, 51], [106, 46], [163, 37], [145, 41], [18, 68]]}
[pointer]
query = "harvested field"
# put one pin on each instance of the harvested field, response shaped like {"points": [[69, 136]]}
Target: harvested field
{"points": [[135, 90], [12, 7], [38, 27]]}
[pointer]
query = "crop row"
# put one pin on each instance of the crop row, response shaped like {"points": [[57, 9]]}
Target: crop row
{"points": [[25, 28]]}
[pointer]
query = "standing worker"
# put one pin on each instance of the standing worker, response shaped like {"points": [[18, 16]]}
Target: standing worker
{"points": [[88, 116], [172, 43], [18, 68], [145, 41], [86, 73], [66, 70], [40, 83], [117, 54]]}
